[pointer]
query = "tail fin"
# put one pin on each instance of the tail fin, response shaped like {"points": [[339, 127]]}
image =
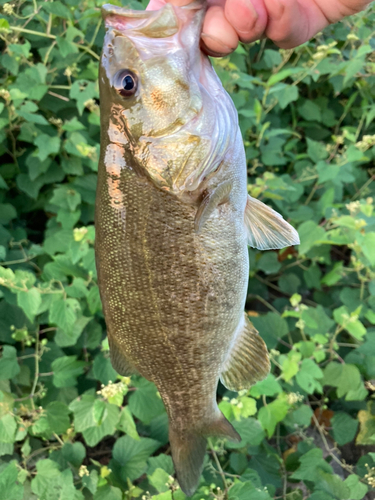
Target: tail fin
{"points": [[189, 448]]}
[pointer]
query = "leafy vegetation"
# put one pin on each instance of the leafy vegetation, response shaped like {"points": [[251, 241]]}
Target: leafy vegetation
{"points": [[70, 427]]}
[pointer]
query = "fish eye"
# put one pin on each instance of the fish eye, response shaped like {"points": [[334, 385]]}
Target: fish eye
{"points": [[126, 83]]}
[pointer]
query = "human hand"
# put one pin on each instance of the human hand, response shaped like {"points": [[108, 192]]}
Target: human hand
{"points": [[287, 22]]}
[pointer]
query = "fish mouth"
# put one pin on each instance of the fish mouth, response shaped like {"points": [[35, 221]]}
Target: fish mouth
{"points": [[160, 23]]}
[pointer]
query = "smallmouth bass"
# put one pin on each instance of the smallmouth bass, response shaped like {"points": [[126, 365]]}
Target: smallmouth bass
{"points": [[173, 221]]}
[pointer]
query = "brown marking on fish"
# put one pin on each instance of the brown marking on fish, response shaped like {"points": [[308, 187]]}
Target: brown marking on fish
{"points": [[157, 97]]}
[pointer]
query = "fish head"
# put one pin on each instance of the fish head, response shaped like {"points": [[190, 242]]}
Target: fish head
{"points": [[160, 96]]}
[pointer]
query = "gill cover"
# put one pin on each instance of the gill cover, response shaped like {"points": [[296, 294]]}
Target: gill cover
{"points": [[180, 123]]}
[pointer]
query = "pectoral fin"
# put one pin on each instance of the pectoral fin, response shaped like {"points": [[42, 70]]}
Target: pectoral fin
{"points": [[266, 229], [248, 362], [210, 202]]}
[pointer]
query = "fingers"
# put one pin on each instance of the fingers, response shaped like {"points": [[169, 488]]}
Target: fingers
{"points": [[158, 4], [287, 22], [248, 18], [224, 26], [218, 35]]}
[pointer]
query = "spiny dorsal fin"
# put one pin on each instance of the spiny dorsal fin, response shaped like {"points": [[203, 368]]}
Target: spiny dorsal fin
{"points": [[248, 362], [266, 229]]}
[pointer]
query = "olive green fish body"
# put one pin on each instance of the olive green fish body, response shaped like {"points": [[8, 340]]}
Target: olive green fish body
{"points": [[172, 298], [173, 221]]}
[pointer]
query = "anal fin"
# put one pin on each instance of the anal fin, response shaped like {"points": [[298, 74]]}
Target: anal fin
{"points": [[248, 362], [119, 361], [266, 229]]}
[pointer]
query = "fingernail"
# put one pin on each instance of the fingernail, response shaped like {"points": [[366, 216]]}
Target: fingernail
{"points": [[225, 48], [243, 17]]}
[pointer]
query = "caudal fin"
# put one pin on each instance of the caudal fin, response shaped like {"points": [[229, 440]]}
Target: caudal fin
{"points": [[189, 448]]}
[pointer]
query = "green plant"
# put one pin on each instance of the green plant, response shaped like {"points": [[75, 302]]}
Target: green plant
{"points": [[70, 427]]}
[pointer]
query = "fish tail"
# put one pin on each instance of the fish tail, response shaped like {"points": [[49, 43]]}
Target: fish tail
{"points": [[189, 449]]}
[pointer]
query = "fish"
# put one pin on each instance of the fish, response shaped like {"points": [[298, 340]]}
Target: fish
{"points": [[173, 224]]}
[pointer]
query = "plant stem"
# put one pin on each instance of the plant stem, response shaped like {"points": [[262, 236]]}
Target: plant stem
{"points": [[218, 465], [36, 376]]}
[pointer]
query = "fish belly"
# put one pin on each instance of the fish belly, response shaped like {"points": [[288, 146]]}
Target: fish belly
{"points": [[172, 298]]}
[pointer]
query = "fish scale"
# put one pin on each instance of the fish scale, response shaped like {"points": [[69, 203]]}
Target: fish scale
{"points": [[173, 221]]}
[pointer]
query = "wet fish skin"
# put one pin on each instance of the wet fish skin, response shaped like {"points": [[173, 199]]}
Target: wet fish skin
{"points": [[171, 238]]}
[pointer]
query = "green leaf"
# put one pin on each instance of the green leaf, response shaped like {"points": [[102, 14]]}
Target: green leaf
{"points": [[47, 472], [63, 313], [272, 327], [310, 234], [144, 403], [8, 427], [50, 479], [83, 412], [66, 197], [30, 302], [344, 428], [74, 453], [94, 418], [251, 433], [82, 91], [316, 150], [311, 465], [46, 145], [66, 370], [4, 25], [301, 416], [310, 111], [127, 425], [58, 9], [103, 370], [357, 489], [159, 480], [270, 415], [367, 243], [267, 387], [334, 485], [93, 300], [65, 46], [9, 366], [108, 492], [269, 263], [282, 75], [308, 376], [58, 417], [285, 95], [347, 379], [130, 456], [10, 486], [7, 213]]}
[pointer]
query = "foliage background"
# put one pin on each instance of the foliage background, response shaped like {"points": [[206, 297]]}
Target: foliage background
{"points": [[66, 430]]}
